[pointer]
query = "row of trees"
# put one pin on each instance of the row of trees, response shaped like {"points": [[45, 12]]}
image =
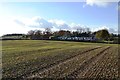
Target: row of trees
{"points": [[38, 34], [48, 34]]}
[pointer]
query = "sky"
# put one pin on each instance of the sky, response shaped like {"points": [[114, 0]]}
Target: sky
{"points": [[20, 17]]}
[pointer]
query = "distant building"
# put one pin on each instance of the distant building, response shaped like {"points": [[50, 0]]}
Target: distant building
{"points": [[12, 37], [77, 38]]}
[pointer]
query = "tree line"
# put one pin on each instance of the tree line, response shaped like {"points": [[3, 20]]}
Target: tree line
{"points": [[48, 34]]}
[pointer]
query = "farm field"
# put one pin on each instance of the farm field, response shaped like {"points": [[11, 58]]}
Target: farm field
{"points": [[59, 59]]}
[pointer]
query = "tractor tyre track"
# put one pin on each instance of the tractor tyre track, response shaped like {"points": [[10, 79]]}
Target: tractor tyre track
{"points": [[85, 65], [46, 68]]}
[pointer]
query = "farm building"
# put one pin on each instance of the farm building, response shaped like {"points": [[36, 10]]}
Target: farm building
{"points": [[78, 38]]}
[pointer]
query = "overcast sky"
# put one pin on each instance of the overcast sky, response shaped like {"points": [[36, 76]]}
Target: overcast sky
{"points": [[20, 17]]}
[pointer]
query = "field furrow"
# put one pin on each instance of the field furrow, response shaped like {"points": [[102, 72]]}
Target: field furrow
{"points": [[54, 65], [87, 64], [106, 67], [66, 66], [29, 59]]}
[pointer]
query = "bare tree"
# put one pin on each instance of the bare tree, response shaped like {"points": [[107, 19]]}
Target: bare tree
{"points": [[47, 33], [87, 30], [31, 33], [38, 32], [79, 30]]}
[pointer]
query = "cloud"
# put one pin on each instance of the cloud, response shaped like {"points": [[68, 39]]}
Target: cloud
{"points": [[111, 30], [19, 22], [35, 22], [8, 26], [99, 28], [78, 26], [99, 3], [40, 23], [43, 23], [23, 25], [59, 24], [75, 26], [63, 26], [55, 24]]}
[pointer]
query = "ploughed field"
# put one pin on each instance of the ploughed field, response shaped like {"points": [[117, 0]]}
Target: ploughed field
{"points": [[59, 59]]}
